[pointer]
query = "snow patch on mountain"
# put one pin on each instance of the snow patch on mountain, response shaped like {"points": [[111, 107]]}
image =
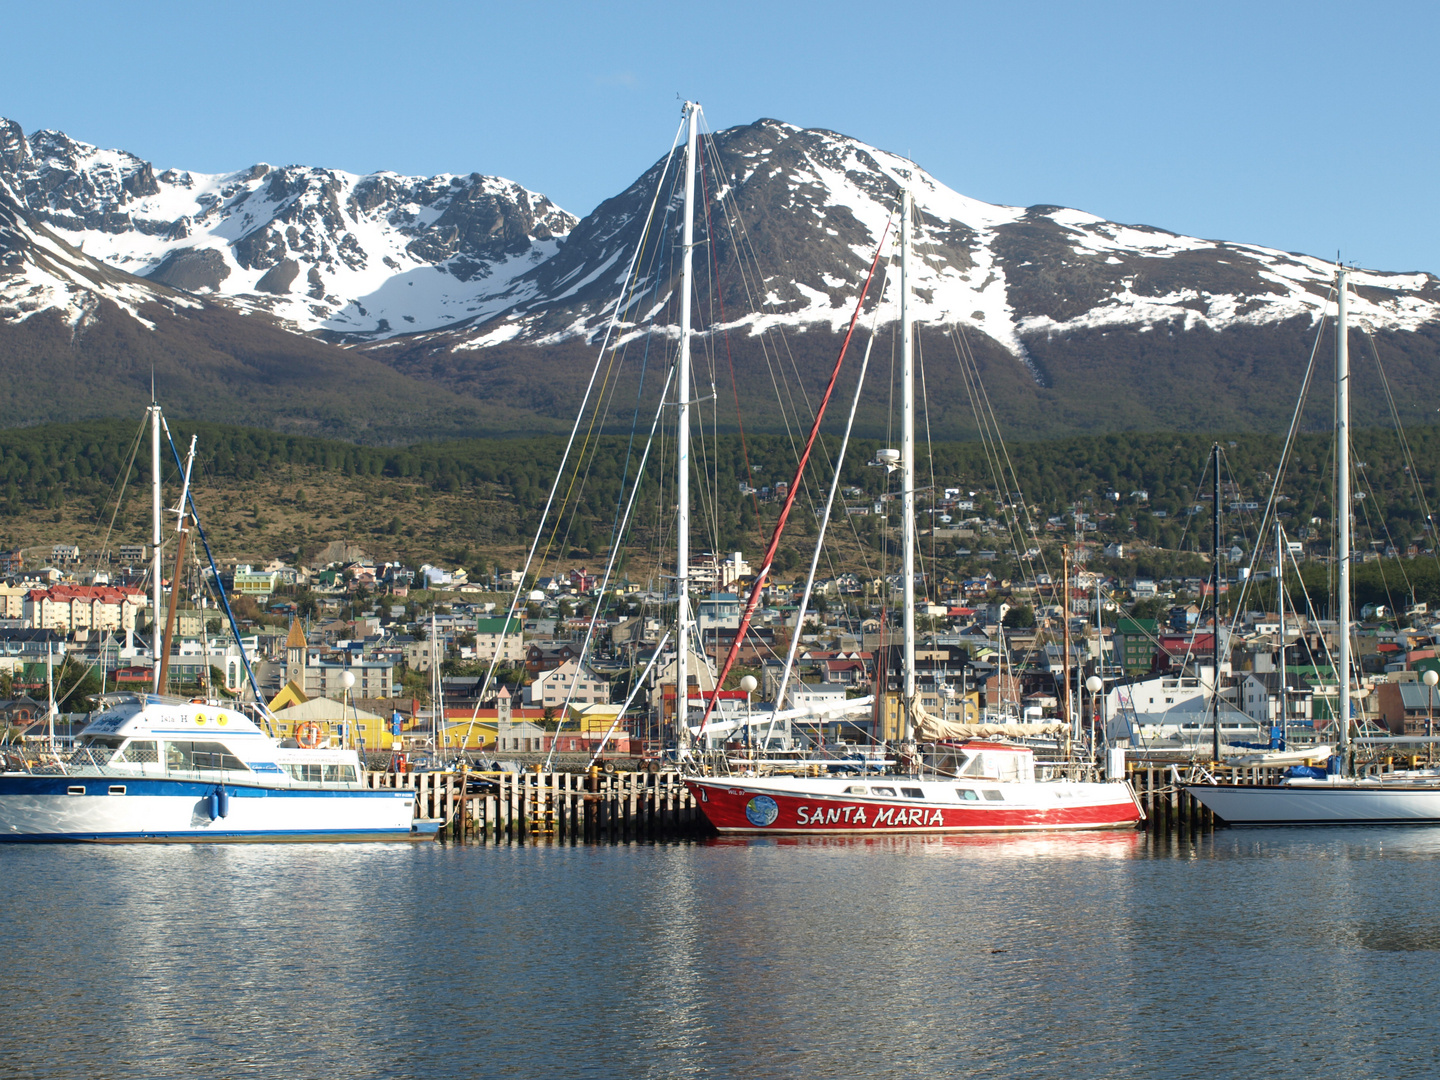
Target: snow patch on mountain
{"points": [[363, 257], [39, 272], [468, 262]]}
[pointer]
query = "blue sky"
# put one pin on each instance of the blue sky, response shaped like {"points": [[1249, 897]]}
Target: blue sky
{"points": [[1304, 126]]}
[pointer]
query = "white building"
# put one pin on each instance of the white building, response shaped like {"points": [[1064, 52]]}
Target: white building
{"points": [[554, 688], [494, 636]]}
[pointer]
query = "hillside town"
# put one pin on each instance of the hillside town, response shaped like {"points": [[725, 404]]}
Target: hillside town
{"points": [[421, 659]]}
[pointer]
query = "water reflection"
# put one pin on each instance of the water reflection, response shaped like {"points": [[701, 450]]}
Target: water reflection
{"points": [[1030, 955], [1122, 844]]}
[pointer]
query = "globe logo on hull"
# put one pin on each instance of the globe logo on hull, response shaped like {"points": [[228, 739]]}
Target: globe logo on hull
{"points": [[761, 811]]}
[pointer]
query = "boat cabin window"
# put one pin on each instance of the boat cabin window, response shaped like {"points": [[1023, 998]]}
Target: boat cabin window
{"points": [[882, 791], [186, 756], [912, 792], [968, 794], [104, 742], [855, 789], [994, 794], [321, 774], [975, 766], [140, 750]]}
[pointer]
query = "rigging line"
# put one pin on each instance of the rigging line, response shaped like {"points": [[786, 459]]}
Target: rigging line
{"points": [[634, 689], [1194, 500], [745, 248], [1409, 458], [122, 480], [987, 429], [629, 294], [790, 495], [997, 445], [570, 441], [604, 584], [932, 578], [594, 421], [725, 330], [1272, 503], [824, 524], [260, 704], [1390, 540], [784, 389]]}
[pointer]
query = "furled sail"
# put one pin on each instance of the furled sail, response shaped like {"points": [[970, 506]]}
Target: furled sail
{"points": [[930, 728]]}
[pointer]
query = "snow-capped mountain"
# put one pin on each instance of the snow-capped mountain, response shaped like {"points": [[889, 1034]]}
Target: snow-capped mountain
{"points": [[809, 207], [486, 290], [322, 250], [482, 259]]}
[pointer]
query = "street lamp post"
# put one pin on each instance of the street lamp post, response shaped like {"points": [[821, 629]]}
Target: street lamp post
{"points": [[1095, 684], [347, 680], [1430, 678], [748, 684]]}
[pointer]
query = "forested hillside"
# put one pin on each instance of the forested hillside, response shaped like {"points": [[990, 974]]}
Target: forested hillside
{"points": [[263, 494]]}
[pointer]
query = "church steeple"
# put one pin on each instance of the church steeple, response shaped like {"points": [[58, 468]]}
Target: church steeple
{"points": [[295, 646]]}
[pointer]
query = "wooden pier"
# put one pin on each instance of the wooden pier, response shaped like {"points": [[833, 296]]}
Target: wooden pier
{"points": [[594, 807], [600, 807]]}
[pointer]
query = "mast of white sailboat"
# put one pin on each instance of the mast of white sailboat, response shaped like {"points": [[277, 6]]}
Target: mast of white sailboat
{"points": [[1280, 607], [156, 537], [682, 440], [1068, 711], [1215, 599], [907, 475], [1342, 507]]}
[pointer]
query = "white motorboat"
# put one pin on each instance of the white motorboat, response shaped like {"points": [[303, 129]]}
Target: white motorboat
{"points": [[157, 769]]}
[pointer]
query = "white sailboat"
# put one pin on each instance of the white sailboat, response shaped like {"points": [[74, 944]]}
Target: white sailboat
{"points": [[977, 786], [1340, 797]]}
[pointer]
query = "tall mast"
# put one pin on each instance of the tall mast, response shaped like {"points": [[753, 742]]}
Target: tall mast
{"points": [[682, 439], [1215, 595], [156, 538], [1342, 507], [162, 680], [1068, 712], [1280, 607], [907, 469]]}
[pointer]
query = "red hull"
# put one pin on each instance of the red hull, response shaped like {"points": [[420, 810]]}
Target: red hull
{"points": [[732, 808]]}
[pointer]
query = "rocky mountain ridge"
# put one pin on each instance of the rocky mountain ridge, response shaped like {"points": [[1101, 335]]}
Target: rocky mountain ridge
{"points": [[466, 284], [320, 249]]}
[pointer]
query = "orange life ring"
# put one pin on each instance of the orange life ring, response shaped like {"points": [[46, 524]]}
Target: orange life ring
{"points": [[308, 735]]}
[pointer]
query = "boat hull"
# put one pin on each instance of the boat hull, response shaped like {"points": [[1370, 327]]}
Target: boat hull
{"points": [[744, 806], [1320, 804], [109, 809]]}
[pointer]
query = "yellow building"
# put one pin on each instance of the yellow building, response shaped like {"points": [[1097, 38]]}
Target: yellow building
{"points": [[366, 728], [892, 724], [591, 718], [467, 734]]}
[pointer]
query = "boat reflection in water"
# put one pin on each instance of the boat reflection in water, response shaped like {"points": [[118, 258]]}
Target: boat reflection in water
{"points": [[1049, 845]]}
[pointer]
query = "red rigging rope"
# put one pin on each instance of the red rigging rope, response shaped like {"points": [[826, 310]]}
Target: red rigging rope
{"points": [[760, 578]]}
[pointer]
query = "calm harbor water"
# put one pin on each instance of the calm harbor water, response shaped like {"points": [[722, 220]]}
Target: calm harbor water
{"points": [[1271, 953]]}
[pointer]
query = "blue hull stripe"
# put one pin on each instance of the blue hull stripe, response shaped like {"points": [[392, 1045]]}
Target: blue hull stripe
{"points": [[206, 837], [142, 785]]}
